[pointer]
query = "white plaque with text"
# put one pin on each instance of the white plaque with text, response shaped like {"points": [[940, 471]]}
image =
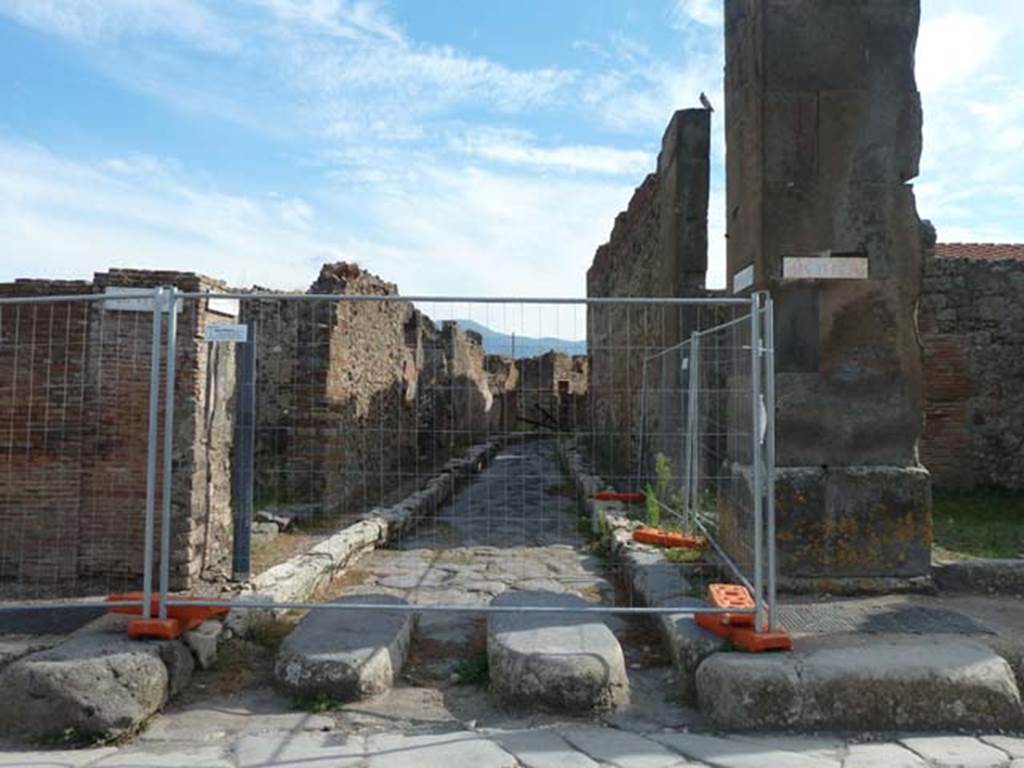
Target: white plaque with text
{"points": [[221, 332], [824, 268]]}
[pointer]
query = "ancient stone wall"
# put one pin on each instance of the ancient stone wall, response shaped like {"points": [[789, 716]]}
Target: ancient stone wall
{"points": [[74, 513], [971, 321], [552, 389], [355, 395], [657, 248]]}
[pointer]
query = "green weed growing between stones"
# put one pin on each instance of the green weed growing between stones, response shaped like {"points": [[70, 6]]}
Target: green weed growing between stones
{"points": [[474, 670]]}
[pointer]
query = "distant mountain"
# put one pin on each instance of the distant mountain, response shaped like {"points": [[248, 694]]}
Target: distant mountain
{"points": [[496, 343]]}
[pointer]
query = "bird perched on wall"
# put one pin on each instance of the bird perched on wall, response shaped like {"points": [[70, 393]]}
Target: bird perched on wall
{"points": [[705, 103]]}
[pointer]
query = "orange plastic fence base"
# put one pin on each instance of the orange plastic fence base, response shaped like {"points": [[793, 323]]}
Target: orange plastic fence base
{"points": [[668, 539], [628, 498], [739, 628], [180, 618], [732, 596]]}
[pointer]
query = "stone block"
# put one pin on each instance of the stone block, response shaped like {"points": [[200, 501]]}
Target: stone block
{"points": [[345, 654], [860, 522], [562, 662], [95, 684], [750, 692], [688, 645], [923, 686], [984, 576], [203, 640]]}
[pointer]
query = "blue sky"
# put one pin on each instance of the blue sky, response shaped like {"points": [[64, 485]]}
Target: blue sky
{"points": [[454, 147]]}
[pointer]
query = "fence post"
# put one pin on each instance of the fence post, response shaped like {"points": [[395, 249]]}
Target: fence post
{"points": [[171, 304], [691, 492], [152, 449], [769, 450], [243, 464], [755, 456]]}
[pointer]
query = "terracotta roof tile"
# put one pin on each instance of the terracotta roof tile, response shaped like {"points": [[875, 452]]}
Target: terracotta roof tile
{"points": [[983, 251]]}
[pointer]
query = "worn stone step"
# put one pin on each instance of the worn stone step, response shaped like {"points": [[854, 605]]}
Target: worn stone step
{"points": [[345, 654], [564, 662], [920, 685], [97, 683]]}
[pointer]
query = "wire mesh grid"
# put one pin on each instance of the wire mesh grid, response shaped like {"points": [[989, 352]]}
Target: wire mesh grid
{"points": [[453, 416], [75, 388], [704, 442]]}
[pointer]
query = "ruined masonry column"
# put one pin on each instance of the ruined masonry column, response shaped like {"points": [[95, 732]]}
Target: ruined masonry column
{"points": [[823, 129]]}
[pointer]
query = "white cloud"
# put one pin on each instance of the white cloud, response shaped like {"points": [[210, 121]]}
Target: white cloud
{"points": [[67, 219], [639, 92], [429, 228], [706, 12], [519, 148], [101, 21], [952, 48], [350, 19]]}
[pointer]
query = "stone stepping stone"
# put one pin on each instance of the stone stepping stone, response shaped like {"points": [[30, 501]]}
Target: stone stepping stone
{"points": [[345, 654], [96, 684], [912, 686], [562, 662]]}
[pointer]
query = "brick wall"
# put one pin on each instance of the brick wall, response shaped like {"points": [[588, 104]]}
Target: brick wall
{"points": [[971, 320], [44, 401], [74, 393]]}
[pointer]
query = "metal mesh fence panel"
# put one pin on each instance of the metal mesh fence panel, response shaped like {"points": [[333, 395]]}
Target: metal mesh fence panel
{"points": [[471, 425], [75, 395]]}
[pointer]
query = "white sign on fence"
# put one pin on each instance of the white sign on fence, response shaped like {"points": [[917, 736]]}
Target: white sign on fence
{"points": [[743, 279], [138, 304], [226, 332]]}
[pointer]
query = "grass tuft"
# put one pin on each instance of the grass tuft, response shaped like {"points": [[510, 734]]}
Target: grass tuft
{"points": [[474, 670], [986, 522]]}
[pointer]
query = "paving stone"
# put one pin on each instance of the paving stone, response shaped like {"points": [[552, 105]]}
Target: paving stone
{"points": [[177, 756], [560, 661], [459, 749], [957, 752], [543, 749], [13, 647], [621, 748], [1011, 745], [811, 746], [287, 748], [345, 654], [881, 756], [733, 753], [56, 758]]}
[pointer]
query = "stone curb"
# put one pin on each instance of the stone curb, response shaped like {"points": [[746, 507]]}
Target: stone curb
{"points": [[983, 576], [657, 581], [910, 686], [302, 577]]}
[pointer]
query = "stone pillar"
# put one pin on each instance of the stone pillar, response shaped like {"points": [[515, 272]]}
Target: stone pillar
{"points": [[823, 129]]}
